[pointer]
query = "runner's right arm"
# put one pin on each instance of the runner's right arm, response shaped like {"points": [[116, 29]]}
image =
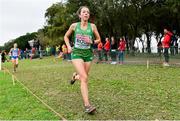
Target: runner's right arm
{"points": [[10, 52], [67, 35]]}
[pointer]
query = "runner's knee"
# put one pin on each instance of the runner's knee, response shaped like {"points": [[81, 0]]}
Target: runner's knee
{"points": [[84, 78]]}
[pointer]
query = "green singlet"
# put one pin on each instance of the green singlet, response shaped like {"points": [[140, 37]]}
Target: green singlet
{"points": [[82, 50]]}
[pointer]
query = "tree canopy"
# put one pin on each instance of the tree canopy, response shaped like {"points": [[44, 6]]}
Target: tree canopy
{"points": [[21, 41], [129, 18]]}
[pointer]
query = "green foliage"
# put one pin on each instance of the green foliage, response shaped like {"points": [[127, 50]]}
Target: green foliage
{"points": [[1, 48], [130, 18], [57, 24], [22, 41], [116, 18]]}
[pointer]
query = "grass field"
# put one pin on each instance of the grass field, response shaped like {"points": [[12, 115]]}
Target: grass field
{"points": [[17, 104], [119, 92]]}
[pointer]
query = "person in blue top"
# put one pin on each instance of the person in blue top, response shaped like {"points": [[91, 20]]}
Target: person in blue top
{"points": [[14, 52]]}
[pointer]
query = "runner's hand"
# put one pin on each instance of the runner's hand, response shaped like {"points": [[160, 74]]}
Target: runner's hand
{"points": [[89, 41], [96, 41], [69, 49]]}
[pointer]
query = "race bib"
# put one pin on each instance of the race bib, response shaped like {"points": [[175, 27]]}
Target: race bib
{"points": [[15, 52], [82, 41]]}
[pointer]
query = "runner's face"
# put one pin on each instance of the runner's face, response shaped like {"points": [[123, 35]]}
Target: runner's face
{"points": [[85, 14], [15, 45]]}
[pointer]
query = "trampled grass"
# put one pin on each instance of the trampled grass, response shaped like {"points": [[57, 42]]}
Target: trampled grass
{"points": [[118, 91]]}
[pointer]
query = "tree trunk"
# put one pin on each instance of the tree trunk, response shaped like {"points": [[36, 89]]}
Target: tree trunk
{"points": [[148, 43], [142, 44]]}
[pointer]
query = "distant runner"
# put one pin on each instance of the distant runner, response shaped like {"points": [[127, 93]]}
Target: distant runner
{"points": [[14, 52]]}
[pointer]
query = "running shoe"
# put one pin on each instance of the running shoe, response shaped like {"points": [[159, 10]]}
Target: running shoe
{"points": [[73, 80], [90, 109]]}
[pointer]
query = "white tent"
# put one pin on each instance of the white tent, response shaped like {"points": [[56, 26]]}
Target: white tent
{"points": [[31, 42]]}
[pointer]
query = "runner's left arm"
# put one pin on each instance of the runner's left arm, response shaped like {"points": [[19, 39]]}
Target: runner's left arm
{"points": [[96, 33]]}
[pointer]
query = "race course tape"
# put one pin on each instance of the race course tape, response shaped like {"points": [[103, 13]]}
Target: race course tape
{"points": [[14, 78]]}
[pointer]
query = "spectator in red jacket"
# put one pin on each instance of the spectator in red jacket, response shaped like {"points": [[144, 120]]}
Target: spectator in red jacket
{"points": [[121, 50], [100, 49], [106, 48], [33, 52], [166, 44]]}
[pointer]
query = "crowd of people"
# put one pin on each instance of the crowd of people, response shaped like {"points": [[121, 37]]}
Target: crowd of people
{"points": [[110, 50], [22, 54]]}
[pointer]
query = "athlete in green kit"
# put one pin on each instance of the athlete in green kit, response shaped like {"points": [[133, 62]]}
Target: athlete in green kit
{"points": [[82, 55]]}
